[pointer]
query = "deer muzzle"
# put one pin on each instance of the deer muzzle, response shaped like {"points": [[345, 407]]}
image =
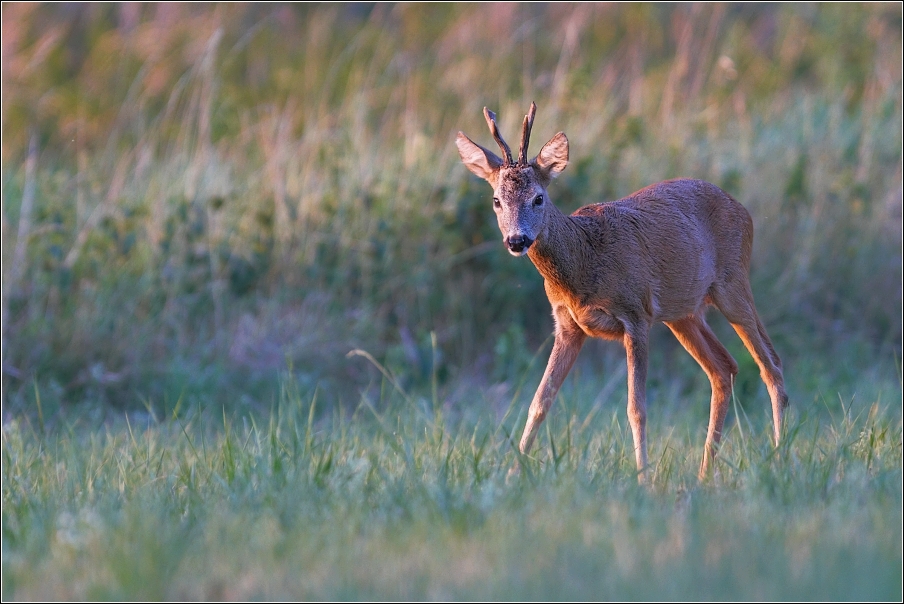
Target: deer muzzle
{"points": [[518, 244]]}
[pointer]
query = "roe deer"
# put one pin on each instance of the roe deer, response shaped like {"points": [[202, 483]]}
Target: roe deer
{"points": [[610, 270]]}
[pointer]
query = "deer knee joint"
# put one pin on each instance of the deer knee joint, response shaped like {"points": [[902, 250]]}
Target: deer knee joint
{"points": [[732, 368], [724, 381], [637, 416], [538, 413]]}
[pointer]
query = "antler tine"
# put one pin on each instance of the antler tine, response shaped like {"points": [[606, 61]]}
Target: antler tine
{"points": [[494, 129], [525, 133]]}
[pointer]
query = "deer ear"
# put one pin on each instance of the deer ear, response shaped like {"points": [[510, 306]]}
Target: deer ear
{"points": [[481, 162], [553, 157]]}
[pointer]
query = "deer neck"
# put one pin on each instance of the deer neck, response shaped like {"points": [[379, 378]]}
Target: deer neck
{"points": [[559, 250]]}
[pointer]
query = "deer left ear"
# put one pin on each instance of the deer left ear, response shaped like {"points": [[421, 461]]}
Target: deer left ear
{"points": [[553, 157]]}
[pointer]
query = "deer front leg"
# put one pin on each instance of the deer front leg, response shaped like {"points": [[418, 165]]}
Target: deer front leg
{"points": [[635, 340], [569, 339]]}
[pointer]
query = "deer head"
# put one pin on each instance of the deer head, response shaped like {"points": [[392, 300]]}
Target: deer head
{"points": [[520, 199]]}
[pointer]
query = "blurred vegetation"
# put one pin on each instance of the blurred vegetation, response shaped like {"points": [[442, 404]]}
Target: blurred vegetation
{"points": [[198, 196]]}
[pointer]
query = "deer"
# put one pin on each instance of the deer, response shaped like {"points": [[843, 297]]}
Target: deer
{"points": [[665, 253]]}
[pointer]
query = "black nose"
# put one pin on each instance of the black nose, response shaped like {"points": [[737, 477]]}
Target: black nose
{"points": [[518, 243]]}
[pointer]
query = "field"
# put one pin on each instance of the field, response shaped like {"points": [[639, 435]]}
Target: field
{"points": [[207, 208], [407, 503]]}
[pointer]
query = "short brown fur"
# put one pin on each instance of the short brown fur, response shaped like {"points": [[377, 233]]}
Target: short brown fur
{"points": [[611, 270]]}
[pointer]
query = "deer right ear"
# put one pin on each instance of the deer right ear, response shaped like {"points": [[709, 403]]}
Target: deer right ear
{"points": [[481, 162], [553, 157]]}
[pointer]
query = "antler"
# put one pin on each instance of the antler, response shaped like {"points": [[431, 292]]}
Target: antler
{"points": [[491, 122], [525, 133]]}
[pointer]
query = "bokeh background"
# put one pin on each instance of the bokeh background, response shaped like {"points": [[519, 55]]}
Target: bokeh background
{"points": [[199, 199]]}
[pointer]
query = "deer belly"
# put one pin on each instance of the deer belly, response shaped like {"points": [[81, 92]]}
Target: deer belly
{"points": [[597, 323]]}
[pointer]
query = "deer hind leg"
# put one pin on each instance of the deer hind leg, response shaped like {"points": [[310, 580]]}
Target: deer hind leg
{"points": [[741, 313], [702, 344], [635, 339], [568, 342]]}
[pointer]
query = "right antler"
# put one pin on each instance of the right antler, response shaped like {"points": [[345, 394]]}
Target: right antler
{"points": [[494, 129], [525, 133]]}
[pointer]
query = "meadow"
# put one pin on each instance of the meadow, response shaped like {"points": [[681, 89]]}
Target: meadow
{"points": [[207, 208], [409, 502]]}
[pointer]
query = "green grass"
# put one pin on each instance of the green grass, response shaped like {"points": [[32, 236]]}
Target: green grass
{"points": [[402, 499]]}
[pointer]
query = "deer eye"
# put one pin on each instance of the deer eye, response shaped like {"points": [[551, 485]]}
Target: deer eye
{"points": [[497, 203], [538, 200]]}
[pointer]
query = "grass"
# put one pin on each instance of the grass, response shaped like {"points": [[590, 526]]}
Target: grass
{"points": [[404, 499]]}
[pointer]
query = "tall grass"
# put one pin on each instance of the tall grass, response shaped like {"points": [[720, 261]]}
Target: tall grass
{"points": [[217, 193], [400, 499]]}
